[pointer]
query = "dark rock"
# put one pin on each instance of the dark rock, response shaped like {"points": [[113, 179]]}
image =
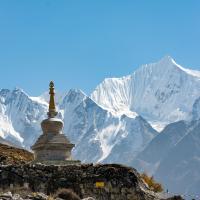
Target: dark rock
{"points": [[110, 181], [67, 194]]}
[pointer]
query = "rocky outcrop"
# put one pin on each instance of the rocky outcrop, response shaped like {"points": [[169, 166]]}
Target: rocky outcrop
{"points": [[99, 181]]}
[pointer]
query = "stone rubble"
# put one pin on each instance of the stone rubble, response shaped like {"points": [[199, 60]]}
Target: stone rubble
{"points": [[41, 196]]}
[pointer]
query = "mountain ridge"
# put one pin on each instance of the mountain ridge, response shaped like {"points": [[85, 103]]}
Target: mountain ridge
{"points": [[155, 91], [116, 123]]}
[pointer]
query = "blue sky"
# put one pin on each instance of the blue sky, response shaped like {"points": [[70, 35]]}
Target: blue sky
{"points": [[79, 43]]}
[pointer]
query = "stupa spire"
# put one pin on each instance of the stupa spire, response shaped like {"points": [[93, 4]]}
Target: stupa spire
{"points": [[52, 108]]}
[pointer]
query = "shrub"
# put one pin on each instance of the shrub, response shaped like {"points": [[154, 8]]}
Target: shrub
{"points": [[66, 194], [153, 185]]}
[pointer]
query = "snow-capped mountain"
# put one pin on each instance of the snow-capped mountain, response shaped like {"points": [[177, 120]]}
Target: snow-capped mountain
{"points": [[162, 92], [113, 123], [20, 116], [100, 133], [89, 126]]}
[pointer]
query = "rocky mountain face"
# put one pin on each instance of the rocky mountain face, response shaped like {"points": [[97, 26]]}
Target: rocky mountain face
{"points": [[175, 152], [118, 122], [179, 158], [185, 157], [196, 110], [149, 159]]}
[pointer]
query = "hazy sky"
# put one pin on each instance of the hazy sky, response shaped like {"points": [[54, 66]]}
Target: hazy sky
{"points": [[79, 43]]}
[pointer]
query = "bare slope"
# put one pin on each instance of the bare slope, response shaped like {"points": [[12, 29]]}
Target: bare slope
{"points": [[12, 155]]}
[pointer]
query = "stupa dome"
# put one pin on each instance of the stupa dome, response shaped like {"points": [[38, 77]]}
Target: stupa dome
{"points": [[52, 125]]}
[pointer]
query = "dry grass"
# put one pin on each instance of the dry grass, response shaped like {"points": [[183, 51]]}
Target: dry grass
{"points": [[12, 155], [50, 197], [153, 185]]}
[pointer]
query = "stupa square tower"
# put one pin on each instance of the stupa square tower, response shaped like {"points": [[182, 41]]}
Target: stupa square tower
{"points": [[53, 146]]}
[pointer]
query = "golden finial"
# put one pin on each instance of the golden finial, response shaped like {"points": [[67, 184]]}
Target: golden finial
{"points": [[52, 108]]}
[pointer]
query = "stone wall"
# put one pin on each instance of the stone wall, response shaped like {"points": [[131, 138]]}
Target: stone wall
{"points": [[103, 182]]}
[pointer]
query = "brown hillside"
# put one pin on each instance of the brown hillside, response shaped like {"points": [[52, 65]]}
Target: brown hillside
{"points": [[12, 155]]}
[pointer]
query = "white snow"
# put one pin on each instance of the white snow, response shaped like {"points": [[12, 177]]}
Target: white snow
{"points": [[20, 115], [106, 137], [162, 92], [6, 129], [157, 125], [39, 100], [188, 71]]}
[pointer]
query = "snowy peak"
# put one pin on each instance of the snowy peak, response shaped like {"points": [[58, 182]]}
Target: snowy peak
{"points": [[158, 91], [75, 94], [165, 61], [168, 61], [10, 94], [19, 114], [73, 98]]}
